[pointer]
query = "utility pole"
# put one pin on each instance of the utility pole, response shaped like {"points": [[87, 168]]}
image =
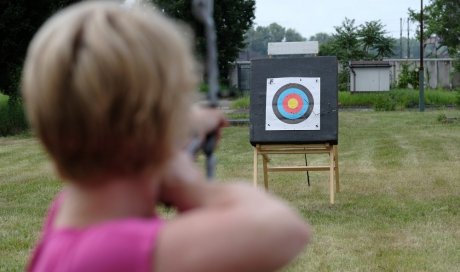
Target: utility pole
{"points": [[408, 39], [400, 39], [421, 103]]}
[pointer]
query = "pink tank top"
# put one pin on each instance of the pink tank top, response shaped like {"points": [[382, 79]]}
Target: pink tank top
{"points": [[119, 245]]}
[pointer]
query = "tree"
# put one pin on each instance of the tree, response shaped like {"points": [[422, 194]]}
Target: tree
{"points": [[321, 38], [346, 44], [375, 44], [19, 20], [276, 32], [259, 37], [232, 19], [441, 18], [365, 42], [351, 42], [293, 36]]}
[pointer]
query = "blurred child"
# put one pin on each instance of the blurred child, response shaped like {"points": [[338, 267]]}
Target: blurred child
{"points": [[107, 92]]}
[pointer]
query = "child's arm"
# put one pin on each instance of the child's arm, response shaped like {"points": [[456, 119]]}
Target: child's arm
{"points": [[225, 227]]}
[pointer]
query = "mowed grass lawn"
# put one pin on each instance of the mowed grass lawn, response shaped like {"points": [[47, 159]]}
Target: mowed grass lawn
{"points": [[398, 209]]}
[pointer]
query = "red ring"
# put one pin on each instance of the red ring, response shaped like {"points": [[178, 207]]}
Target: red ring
{"points": [[299, 103]]}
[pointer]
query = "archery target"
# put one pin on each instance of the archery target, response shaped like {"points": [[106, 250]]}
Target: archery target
{"points": [[293, 104]]}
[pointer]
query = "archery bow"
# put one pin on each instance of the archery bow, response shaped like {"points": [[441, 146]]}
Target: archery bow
{"points": [[203, 12]]}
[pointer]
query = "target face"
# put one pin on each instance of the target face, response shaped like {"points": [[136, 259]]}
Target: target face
{"points": [[293, 104]]}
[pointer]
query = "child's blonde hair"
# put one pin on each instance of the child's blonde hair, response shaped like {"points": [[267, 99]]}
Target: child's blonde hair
{"points": [[106, 89]]}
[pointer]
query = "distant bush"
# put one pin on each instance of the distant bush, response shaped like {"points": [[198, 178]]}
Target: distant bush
{"points": [[408, 77], [384, 103], [347, 99], [399, 99], [12, 117]]}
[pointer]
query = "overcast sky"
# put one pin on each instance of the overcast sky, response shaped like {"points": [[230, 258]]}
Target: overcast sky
{"points": [[309, 17]]}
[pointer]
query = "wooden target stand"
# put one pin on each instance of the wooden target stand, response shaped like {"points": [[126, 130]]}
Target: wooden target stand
{"points": [[333, 167]]}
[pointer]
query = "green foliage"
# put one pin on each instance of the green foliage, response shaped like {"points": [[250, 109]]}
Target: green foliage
{"points": [[19, 20], [241, 103], [457, 102], [374, 42], [440, 98], [347, 99], [237, 115], [408, 77], [343, 79], [350, 42], [259, 37], [232, 19], [292, 35], [384, 103], [398, 99], [457, 61], [321, 38], [441, 18], [345, 44], [12, 117]]}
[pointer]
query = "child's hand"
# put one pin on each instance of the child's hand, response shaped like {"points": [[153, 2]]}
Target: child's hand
{"points": [[206, 120], [179, 175]]}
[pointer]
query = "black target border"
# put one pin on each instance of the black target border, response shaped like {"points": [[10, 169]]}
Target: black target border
{"points": [[311, 103]]}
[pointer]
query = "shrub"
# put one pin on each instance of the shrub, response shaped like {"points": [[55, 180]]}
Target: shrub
{"points": [[408, 77], [399, 99], [343, 80], [384, 103], [404, 98], [347, 99], [12, 117]]}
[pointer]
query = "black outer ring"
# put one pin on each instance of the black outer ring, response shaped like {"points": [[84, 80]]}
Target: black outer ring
{"points": [[307, 114]]}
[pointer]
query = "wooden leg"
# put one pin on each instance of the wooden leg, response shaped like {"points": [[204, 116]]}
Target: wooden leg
{"points": [[331, 175], [254, 177], [336, 163], [265, 162]]}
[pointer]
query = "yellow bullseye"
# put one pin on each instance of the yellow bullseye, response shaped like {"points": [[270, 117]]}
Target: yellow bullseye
{"points": [[293, 103]]}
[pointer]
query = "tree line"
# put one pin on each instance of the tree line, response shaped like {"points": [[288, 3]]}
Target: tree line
{"points": [[19, 20], [362, 40]]}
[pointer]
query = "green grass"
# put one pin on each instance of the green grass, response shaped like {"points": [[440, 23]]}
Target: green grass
{"points": [[241, 103], [239, 108], [398, 209]]}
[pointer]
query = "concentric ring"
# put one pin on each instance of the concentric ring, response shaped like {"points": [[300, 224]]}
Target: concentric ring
{"points": [[292, 103]]}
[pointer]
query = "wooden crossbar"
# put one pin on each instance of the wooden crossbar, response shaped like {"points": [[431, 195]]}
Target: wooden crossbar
{"points": [[332, 167], [298, 168]]}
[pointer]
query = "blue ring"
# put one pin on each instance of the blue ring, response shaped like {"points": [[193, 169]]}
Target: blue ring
{"points": [[304, 94], [302, 111]]}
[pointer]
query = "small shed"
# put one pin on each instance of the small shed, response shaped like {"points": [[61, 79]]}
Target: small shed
{"points": [[369, 76]]}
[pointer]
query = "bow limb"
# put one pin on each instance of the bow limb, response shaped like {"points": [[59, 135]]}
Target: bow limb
{"points": [[203, 11]]}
